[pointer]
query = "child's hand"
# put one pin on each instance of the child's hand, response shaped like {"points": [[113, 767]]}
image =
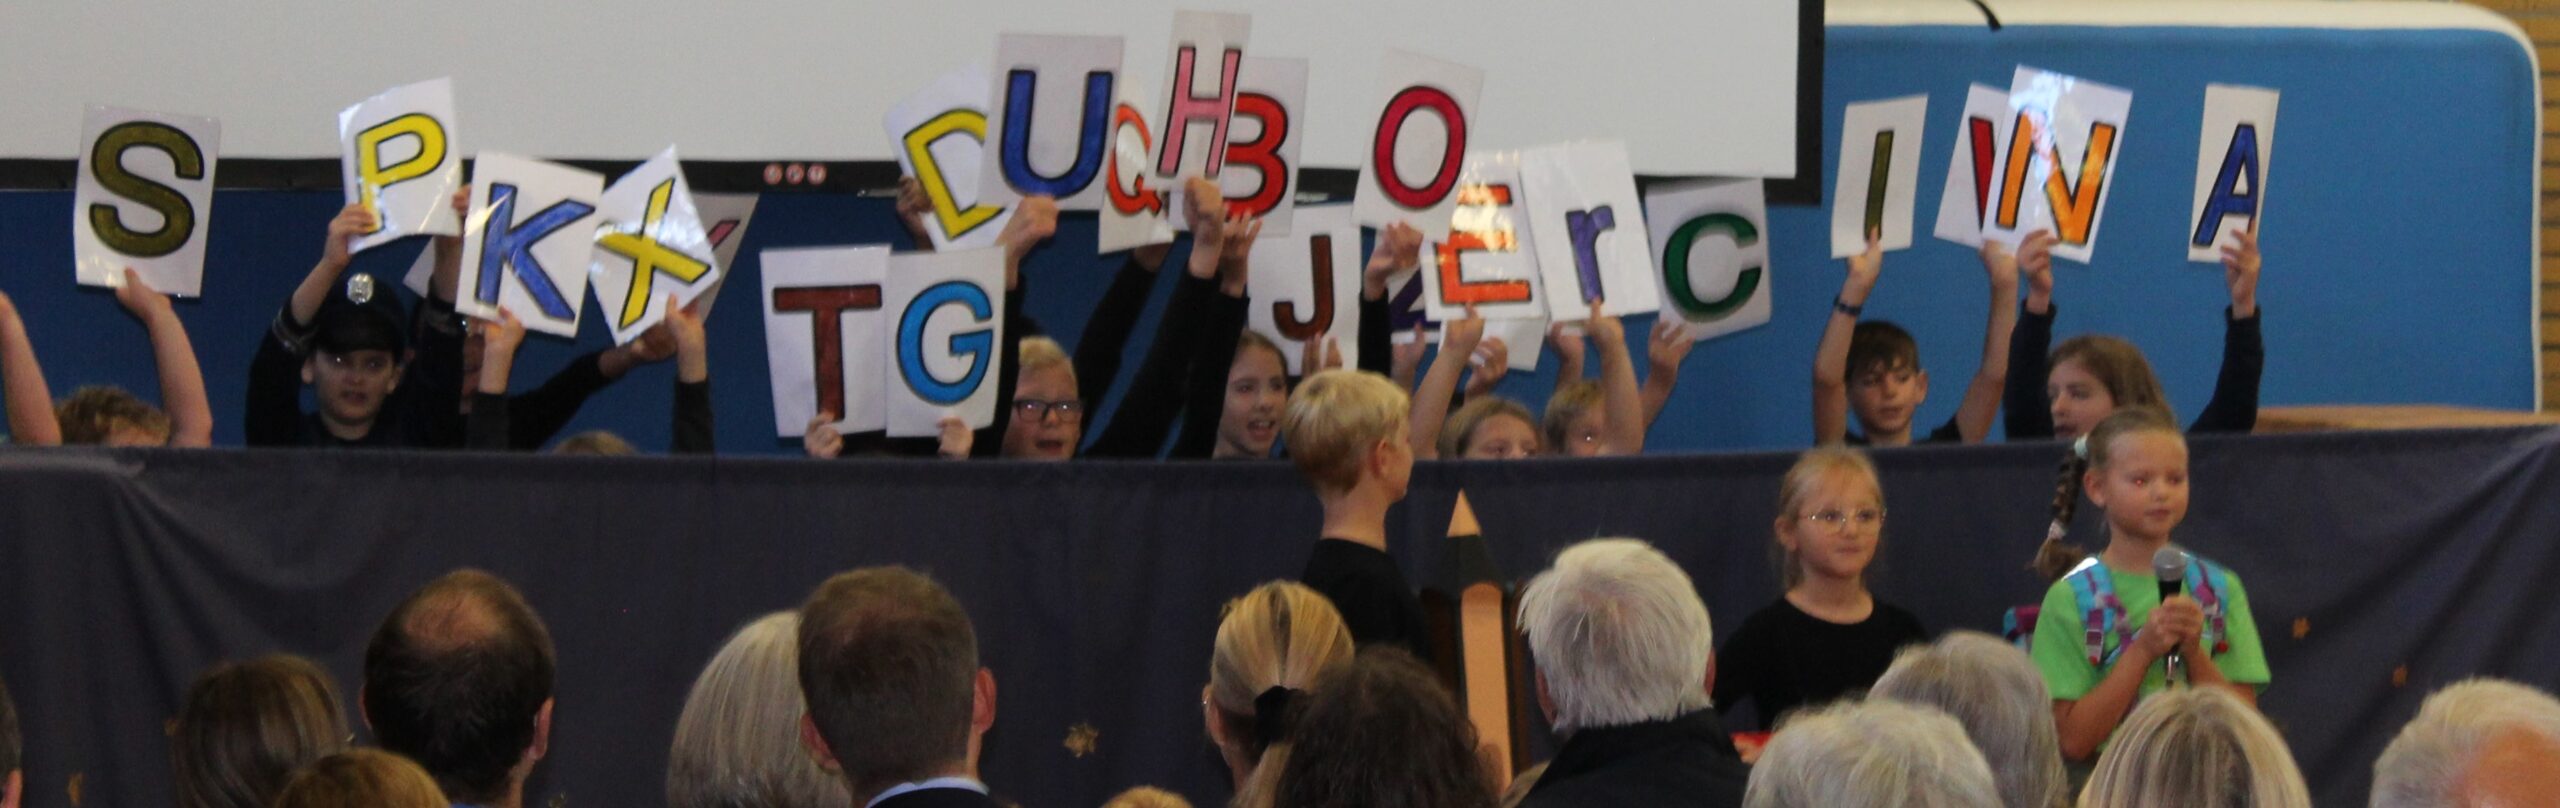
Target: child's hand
{"points": [[957, 440], [1034, 221], [1399, 249], [692, 345], [2240, 270], [1204, 212], [1321, 354], [656, 344], [1566, 342], [1604, 329], [352, 221], [822, 440], [1406, 360], [1494, 363], [913, 204], [1151, 256], [1670, 345], [139, 298], [1458, 338], [2175, 623], [2035, 262], [2002, 265], [1234, 256], [1864, 268]]}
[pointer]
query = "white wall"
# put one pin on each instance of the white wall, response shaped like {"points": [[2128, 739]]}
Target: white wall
{"points": [[1702, 86]]}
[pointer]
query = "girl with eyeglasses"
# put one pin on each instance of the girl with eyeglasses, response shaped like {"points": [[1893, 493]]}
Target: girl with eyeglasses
{"points": [[1827, 637]]}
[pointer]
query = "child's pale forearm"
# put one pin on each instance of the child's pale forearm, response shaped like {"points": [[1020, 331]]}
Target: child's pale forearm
{"points": [[1620, 398], [1431, 400], [1657, 392], [1831, 374], [2086, 723], [30, 405], [1982, 399], [2203, 672], [693, 363], [181, 381], [314, 291]]}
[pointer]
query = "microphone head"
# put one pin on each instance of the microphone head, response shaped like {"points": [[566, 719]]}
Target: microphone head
{"points": [[2169, 565]]}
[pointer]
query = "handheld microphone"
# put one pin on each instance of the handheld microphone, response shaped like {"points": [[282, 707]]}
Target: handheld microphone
{"points": [[2170, 565]]}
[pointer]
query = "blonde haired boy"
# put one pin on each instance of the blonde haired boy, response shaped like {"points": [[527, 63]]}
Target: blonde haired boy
{"points": [[1347, 432]]}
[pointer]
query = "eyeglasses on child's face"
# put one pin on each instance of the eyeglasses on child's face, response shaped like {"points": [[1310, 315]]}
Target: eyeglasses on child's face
{"points": [[1032, 409], [1835, 518]]}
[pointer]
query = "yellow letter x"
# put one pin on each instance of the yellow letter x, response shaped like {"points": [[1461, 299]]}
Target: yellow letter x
{"points": [[649, 256]]}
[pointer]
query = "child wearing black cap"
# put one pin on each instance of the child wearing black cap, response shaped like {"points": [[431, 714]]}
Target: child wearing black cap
{"points": [[348, 342]]}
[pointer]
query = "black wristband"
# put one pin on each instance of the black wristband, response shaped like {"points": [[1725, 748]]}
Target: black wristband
{"points": [[1843, 307]]}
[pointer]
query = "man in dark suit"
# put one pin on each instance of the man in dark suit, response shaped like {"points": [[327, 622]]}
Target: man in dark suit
{"points": [[889, 665]]}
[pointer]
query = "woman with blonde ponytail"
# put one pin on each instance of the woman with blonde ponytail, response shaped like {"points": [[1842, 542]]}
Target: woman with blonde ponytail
{"points": [[1272, 644]]}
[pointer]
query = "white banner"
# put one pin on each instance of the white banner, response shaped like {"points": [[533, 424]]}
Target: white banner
{"points": [[397, 155], [144, 198]]}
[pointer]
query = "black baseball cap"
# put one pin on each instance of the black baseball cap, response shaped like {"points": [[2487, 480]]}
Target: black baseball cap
{"points": [[364, 316]]}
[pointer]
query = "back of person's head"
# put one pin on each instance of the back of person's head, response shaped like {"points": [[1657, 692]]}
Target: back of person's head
{"points": [[458, 679], [1467, 427], [1337, 419], [2475, 744], [1619, 634], [1147, 797], [1816, 470], [2054, 558], [1996, 692], [889, 665], [108, 415], [2199, 746], [1572, 402], [1042, 353], [1874, 754], [1272, 644], [596, 442], [1383, 731], [737, 743], [2117, 365], [246, 727], [362, 778], [1876, 346]]}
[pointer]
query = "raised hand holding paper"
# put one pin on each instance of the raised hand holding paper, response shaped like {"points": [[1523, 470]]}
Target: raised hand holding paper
{"points": [[651, 229], [940, 134], [144, 198], [1052, 103], [945, 339], [823, 337], [1711, 238], [397, 155], [1879, 174], [527, 242], [1591, 234], [1489, 259], [1410, 170], [1980, 135], [1202, 66], [1307, 286], [2239, 141], [2066, 137]]}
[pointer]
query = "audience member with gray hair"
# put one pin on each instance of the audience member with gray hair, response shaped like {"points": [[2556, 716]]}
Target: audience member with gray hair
{"points": [[2478, 743], [1623, 652], [2196, 746], [1993, 690], [737, 744], [1874, 754]]}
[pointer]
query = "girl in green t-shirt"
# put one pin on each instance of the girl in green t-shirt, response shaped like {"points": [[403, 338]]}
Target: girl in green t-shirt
{"points": [[2137, 474]]}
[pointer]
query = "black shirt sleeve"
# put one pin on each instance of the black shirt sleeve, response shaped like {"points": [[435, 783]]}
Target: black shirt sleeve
{"points": [[2022, 404], [273, 416], [1737, 666], [1106, 333], [1377, 336], [693, 425], [1204, 395], [1370, 592], [1154, 398], [428, 404], [2234, 407], [1949, 432], [488, 421], [541, 413]]}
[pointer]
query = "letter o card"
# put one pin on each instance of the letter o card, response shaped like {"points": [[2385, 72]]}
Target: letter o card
{"points": [[397, 155], [1418, 145], [144, 198]]}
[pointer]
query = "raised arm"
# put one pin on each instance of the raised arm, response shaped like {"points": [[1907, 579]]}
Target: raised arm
{"points": [[1831, 357], [30, 405], [1618, 394], [913, 206], [1990, 381], [1668, 350], [693, 433], [1399, 249], [1565, 341], [2234, 406], [489, 423], [2028, 414], [1106, 332], [181, 381], [1458, 339]]}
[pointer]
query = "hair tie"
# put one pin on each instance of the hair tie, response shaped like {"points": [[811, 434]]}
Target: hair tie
{"points": [[1271, 717], [2080, 447]]}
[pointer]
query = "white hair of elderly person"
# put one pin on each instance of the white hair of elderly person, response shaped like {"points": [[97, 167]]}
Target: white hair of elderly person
{"points": [[2196, 746], [1619, 634], [737, 743], [2474, 744], [1995, 691], [1871, 754]]}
